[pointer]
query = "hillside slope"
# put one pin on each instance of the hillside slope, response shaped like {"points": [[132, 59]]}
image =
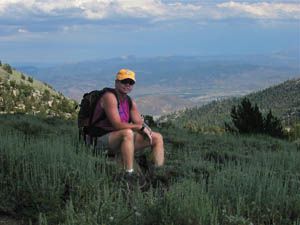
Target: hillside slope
{"points": [[48, 177], [20, 93], [282, 99]]}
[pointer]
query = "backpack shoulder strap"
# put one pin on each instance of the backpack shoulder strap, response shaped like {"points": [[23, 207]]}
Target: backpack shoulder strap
{"points": [[129, 102], [130, 106]]}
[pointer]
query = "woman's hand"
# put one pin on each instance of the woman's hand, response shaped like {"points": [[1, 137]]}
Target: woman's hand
{"points": [[146, 130]]}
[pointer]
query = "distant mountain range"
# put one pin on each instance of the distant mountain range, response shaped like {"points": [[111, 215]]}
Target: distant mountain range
{"points": [[177, 80], [23, 94]]}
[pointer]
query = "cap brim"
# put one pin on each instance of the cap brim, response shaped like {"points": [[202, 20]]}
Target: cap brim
{"points": [[124, 78]]}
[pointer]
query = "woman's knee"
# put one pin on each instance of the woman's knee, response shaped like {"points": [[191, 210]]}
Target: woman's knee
{"points": [[127, 134], [157, 138]]}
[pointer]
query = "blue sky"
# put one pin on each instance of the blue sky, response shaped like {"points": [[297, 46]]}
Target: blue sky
{"points": [[60, 31]]}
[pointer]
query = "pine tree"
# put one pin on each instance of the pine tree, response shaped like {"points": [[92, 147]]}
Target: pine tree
{"points": [[272, 126], [246, 118]]}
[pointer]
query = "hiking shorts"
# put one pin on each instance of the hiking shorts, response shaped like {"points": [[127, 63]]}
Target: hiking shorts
{"points": [[102, 145], [102, 142]]}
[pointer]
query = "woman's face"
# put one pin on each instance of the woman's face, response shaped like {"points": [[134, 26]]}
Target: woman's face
{"points": [[124, 86]]}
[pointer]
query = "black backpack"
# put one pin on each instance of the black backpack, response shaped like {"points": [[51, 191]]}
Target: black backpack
{"points": [[87, 110]]}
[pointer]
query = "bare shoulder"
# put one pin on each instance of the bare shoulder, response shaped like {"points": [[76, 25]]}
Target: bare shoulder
{"points": [[108, 99], [109, 96]]}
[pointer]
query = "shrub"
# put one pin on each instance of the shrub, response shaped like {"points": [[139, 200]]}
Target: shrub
{"points": [[13, 83], [48, 85], [46, 95], [295, 132], [30, 79], [149, 120], [7, 68], [25, 89], [65, 105]]}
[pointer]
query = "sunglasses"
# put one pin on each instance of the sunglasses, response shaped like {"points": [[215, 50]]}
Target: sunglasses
{"points": [[127, 81]]}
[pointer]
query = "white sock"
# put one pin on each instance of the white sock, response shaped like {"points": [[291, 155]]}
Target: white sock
{"points": [[129, 171]]}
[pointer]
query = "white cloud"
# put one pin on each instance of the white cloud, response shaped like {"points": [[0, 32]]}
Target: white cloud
{"points": [[21, 30], [149, 9], [157, 9], [98, 9], [70, 15], [263, 10]]}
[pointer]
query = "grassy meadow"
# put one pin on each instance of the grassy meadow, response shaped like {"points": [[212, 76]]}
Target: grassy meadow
{"points": [[48, 177]]}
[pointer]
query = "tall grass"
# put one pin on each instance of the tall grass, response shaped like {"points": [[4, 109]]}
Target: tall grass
{"points": [[48, 177]]}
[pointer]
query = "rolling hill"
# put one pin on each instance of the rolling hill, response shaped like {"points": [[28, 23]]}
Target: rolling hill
{"points": [[20, 93], [282, 99]]}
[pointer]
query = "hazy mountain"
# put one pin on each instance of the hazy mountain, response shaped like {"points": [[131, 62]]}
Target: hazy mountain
{"points": [[196, 79]]}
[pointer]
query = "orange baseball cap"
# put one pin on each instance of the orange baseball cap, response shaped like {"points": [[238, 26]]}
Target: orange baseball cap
{"points": [[125, 74]]}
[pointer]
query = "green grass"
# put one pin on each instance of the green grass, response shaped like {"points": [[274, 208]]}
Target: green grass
{"points": [[48, 177]]}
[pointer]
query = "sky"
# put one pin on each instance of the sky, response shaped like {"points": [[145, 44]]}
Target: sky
{"points": [[63, 31]]}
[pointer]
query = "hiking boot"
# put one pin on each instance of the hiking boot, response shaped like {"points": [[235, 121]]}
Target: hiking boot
{"points": [[133, 180]]}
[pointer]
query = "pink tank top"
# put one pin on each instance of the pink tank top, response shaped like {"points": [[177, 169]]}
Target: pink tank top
{"points": [[124, 112]]}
